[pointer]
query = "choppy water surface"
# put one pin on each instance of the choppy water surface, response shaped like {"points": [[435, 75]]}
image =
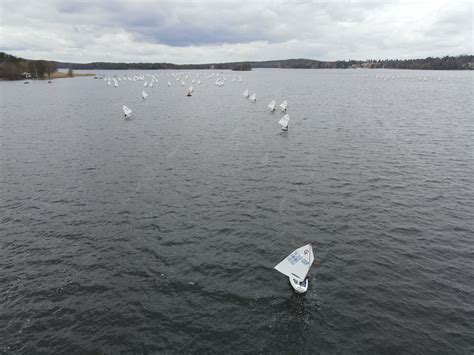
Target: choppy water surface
{"points": [[160, 233]]}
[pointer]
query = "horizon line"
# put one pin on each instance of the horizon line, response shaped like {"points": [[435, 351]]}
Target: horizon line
{"points": [[249, 61]]}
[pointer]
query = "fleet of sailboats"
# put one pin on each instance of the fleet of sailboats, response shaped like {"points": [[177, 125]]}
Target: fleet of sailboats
{"points": [[219, 81]]}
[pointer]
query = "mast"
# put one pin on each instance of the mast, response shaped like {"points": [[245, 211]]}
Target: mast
{"points": [[309, 259]]}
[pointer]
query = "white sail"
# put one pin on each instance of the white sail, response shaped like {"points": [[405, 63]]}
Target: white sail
{"points": [[283, 105], [150, 85], [284, 121], [169, 84], [127, 111], [297, 264], [116, 84], [253, 97], [145, 84], [191, 89], [144, 95], [271, 105], [246, 93]]}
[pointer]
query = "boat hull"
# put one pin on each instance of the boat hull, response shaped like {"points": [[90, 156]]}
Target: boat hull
{"points": [[297, 286]]}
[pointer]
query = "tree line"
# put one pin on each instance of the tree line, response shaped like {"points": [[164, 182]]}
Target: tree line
{"points": [[431, 63], [11, 67]]}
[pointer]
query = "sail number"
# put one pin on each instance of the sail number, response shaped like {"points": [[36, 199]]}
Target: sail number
{"points": [[293, 258]]}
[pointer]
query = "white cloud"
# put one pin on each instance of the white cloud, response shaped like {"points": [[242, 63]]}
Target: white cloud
{"points": [[191, 31]]}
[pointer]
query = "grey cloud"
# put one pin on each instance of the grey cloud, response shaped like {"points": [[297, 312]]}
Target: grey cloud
{"points": [[189, 35], [187, 30], [197, 25], [72, 7]]}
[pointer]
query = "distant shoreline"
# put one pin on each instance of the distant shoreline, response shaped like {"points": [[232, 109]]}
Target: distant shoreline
{"points": [[462, 62], [12, 68]]}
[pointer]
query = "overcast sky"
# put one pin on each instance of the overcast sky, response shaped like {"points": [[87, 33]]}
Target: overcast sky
{"points": [[192, 31]]}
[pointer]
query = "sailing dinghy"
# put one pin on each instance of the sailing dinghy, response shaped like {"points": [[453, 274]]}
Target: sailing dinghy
{"points": [[283, 105], [253, 98], [246, 93], [271, 105], [296, 266], [127, 112], [144, 95], [284, 122]]}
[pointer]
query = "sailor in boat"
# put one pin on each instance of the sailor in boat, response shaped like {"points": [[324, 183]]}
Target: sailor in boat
{"points": [[189, 93], [303, 283]]}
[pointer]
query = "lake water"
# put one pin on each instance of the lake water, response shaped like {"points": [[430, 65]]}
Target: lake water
{"points": [[160, 233]]}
